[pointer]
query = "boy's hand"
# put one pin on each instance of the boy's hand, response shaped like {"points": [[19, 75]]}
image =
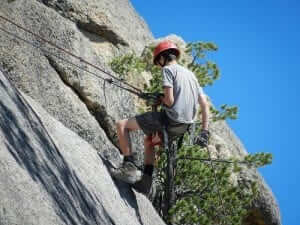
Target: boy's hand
{"points": [[202, 139], [155, 99]]}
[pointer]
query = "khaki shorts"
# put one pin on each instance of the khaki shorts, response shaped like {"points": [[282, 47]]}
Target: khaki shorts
{"points": [[152, 122]]}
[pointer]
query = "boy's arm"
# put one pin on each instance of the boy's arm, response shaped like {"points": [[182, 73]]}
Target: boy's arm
{"points": [[168, 98], [204, 110]]}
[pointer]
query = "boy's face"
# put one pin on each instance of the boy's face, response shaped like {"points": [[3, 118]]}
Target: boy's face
{"points": [[160, 62]]}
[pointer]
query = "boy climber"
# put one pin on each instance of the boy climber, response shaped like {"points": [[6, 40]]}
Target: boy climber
{"points": [[182, 94]]}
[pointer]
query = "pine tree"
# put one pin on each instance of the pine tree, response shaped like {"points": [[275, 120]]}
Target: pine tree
{"points": [[193, 187]]}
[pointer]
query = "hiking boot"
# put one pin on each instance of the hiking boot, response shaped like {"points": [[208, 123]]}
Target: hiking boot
{"points": [[144, 185], [128, 173]]}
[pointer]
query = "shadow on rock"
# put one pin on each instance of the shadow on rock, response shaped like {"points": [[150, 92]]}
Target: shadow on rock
{"points": [[32, 147], [125, 190]]}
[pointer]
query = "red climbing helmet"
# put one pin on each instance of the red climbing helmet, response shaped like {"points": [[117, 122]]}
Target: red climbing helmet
{"points": [[163, 46]]}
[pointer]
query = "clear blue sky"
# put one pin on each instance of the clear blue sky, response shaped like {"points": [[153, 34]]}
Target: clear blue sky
{"points": [[259, 58]]}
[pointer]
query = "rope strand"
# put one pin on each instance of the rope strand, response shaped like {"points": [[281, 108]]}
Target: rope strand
{"points": [[214, 160], [109, 80], [67, 52]]}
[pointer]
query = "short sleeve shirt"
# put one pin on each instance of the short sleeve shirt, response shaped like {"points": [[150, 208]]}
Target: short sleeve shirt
{"points": [[186, 91]]}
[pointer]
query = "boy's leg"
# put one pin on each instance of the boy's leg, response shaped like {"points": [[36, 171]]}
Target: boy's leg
{"points": [[149, 151], [149, 156], [149, 122], [123, 128], [128, 172], [144, 184]]}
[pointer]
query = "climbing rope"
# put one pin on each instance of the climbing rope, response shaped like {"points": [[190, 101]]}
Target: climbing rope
{"points": [[214, 160], [112, 80]]}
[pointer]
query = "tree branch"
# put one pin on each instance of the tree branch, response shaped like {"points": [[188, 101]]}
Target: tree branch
{"points": [[213, 160], [187, 193]]}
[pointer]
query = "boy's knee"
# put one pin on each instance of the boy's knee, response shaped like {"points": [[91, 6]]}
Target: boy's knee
{"points": [[121, 124], [148, 141]]}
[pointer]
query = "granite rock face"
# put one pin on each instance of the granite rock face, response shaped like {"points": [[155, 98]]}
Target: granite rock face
{"points": [[115, 21], [49, 175], [59, 99], [82, 101]]}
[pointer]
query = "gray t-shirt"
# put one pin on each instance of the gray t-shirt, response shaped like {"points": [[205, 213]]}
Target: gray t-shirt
{"points": [[186, 91]]}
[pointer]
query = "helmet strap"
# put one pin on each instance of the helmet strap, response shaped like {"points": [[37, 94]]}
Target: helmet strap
{"points": [[165, 61]]}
